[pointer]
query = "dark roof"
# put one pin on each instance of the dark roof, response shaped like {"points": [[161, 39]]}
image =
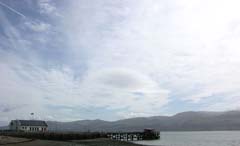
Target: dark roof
{"points": [[32, 123]]}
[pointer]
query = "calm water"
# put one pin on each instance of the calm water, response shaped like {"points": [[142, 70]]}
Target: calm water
{"points": [[215, 138]]}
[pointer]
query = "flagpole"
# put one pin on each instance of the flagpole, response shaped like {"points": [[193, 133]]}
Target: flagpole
{"points": [[32, 114]]}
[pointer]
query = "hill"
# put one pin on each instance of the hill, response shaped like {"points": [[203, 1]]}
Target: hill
{"points": [[186, 121]]}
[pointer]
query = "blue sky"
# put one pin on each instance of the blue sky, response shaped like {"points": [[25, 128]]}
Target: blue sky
{"points": [[72, 60]]}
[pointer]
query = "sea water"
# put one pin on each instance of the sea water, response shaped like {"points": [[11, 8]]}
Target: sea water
{"points": [[203, 138]]}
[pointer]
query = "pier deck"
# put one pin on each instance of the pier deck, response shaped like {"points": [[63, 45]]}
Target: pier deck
{"points": [[148, 134]]}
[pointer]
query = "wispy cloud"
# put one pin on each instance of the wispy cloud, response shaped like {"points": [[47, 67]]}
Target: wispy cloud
{"points": [[38, 27], [48, 7], [12, 9]]}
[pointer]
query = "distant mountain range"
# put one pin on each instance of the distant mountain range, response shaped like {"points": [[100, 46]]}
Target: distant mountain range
{"points": [[186, 121]]}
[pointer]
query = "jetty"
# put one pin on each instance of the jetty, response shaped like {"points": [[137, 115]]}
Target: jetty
{"points": [[147, 134]]}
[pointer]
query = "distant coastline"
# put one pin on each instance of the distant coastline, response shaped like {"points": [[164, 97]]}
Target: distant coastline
{"points": [[185, 121]]}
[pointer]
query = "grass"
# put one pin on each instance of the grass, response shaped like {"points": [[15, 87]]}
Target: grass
{"points": [[92, 142], [104, 142], [45, 143], [6, 140], [59, 136]]}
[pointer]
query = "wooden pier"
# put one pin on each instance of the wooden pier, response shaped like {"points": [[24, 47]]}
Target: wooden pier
{"points": [[147, 134]]}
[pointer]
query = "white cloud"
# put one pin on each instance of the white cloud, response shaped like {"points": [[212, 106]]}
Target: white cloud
{"points": [[46, 7], [124, 88], [38, 26], [188, 48], [133, 56], [111, 88], [226, 103]]}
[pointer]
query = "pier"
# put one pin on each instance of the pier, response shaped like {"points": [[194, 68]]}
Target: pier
{"points": [[147, 134]]}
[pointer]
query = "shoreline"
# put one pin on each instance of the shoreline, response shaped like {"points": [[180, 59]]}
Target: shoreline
{"points": [[105, 142], [15, 141]]}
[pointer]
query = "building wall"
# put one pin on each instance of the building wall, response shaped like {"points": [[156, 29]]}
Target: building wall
{"points": [[33, 128], [15, 126]]}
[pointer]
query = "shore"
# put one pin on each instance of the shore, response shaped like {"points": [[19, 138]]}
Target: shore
{"points": [[13, 141], [104, 142]]}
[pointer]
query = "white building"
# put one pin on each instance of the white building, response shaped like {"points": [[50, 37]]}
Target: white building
{"points": [[28, 125]]}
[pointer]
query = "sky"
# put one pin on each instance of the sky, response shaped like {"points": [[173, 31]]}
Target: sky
{"points": [[73, 60]]}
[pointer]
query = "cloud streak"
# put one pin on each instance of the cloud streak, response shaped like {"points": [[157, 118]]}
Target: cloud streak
{"points": [[13, 10]]}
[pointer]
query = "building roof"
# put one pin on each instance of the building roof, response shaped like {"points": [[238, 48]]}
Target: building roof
{"points": [[32, 123]]}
